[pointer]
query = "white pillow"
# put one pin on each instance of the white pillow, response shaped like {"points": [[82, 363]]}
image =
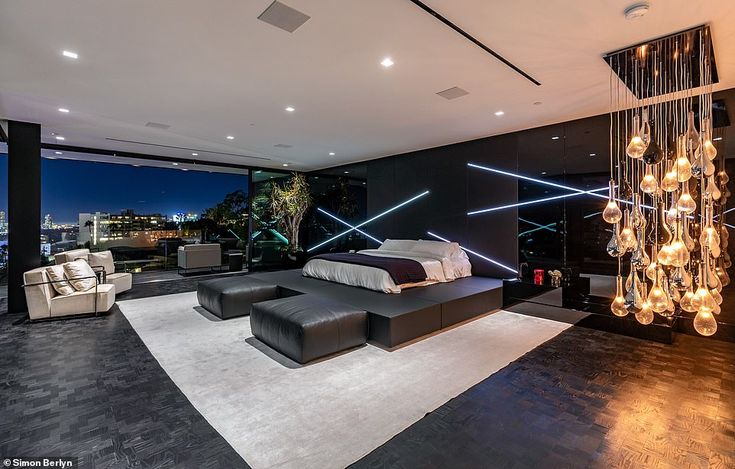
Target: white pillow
{"points": [[75, 270], [403, 245], [437, 248], [55, 273], [102, 259]]}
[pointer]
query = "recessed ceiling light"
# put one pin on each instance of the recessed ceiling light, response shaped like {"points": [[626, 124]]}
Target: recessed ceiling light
{"points": [[175, 164], [364, 183], [195, 154], [555, 137], [50, 158], [59, 137], [387, 62], [63, 109], [636, 10], [136, 166], [285, 165], [230, 137], [58, 153], [331, 153], [70, 54], [717, 139], [184, 169], [499, 113], [543, 173], [347, 172], [290, 109], [593, 154]]}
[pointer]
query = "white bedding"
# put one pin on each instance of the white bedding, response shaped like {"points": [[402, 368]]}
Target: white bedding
{"points": [[438, 269]]}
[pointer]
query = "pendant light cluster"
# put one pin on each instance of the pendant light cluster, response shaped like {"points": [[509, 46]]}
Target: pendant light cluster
{"points": [[668, 188]]}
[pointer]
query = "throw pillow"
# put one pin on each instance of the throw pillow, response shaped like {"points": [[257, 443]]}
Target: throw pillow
{"points": [[80, 275], [102, 259], [59, 283]]}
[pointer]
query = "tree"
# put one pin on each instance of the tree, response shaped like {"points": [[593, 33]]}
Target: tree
{"points": [[231, 213], [289, 203]]}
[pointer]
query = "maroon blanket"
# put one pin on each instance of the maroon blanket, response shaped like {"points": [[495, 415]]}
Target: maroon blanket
{"points": [[400, 270]]}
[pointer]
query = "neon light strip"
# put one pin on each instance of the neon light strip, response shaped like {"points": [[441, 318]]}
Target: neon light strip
{"points": [[368, 221], [592, 215], [531, 202], [540, 226], [349, 226], [552, 184], [728, 225], [278, 235], [475, 253]]}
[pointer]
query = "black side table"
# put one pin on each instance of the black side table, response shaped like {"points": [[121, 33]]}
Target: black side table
{"points": [[235, 258]]}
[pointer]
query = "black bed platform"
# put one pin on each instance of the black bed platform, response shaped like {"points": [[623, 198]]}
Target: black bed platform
{"points": [[395, 319]]}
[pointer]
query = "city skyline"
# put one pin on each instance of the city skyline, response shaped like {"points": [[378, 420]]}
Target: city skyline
{"points": [[113, 188]]}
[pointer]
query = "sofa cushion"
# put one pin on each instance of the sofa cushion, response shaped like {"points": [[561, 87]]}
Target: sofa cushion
{"points": [[80, 275], [59, 283], [70, 255], [123, 281], [102, 259], [83, 302]]}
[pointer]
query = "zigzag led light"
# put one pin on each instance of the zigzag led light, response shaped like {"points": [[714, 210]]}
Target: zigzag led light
{"points": [[405, 202], [475, 253], [536, 201], [349, 226]]}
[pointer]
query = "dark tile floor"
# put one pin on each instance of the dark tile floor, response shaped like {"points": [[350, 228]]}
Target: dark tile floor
{"points": [[585, 399], [89, 388]]}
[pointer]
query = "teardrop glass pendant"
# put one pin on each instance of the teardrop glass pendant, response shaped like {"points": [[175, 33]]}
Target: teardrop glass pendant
{"points": [[705, 323], [682, 167], [653, 265], [653, 153], [612, 213], [645, 131], [615, 245], [711, 190], [686, 203], [627, 234], [649, 184], [708, 148], [636, 146], [645, 315], [618, 304], [634, 298], [657, 296], [637, 220], [692, 136], [686, 301], [669, 182]]}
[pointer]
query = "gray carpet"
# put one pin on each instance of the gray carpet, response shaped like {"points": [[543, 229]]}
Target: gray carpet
{"points": [[330, 413]]}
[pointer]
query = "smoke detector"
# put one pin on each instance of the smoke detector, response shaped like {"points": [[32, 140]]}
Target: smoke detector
{"points": [[636, 10]]}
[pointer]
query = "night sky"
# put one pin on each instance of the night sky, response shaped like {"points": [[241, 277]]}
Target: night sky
{"points": [[70, 187]]}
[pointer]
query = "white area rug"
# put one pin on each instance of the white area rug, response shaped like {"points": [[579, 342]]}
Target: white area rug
{"points": [[330, 413]]}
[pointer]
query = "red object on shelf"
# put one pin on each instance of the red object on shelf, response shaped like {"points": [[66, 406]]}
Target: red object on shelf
{"points": [[538, 276]]}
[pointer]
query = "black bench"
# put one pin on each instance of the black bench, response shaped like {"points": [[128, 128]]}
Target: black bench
{"points": [[233, 297], [306, 327]]}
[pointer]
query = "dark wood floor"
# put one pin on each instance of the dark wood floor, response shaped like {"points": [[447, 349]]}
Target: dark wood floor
{"points": [[585, 399], [89, 387]]}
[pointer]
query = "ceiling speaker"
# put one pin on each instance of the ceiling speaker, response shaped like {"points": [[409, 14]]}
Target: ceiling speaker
{"points": [[283, 16], [156, 125], [452, 93]]}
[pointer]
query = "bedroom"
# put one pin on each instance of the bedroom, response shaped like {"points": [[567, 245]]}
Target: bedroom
{"points": [[367, 234]]}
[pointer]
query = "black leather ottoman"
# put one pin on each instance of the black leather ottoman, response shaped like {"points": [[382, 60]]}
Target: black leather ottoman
{"points": [[232, 297], [306, 327]]}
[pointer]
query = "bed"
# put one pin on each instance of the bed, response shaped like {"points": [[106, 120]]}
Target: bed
{"points": [[396, 265]]}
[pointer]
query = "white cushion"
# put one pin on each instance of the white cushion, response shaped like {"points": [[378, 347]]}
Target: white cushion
{"points": [[80, 275], [59, 283], [403, 245], [102, 259], [83, 302], [123, 281], [437, 248]]}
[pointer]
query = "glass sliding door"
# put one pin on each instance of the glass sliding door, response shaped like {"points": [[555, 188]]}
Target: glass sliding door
{"points": [[267, 243]]}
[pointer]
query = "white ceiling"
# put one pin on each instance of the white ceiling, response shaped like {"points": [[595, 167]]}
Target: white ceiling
{"points": [[210, 69]]}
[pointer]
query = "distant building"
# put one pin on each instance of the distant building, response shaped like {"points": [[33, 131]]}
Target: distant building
{"points": [[48, 222], [102, 227], [182, 217], [94, 228], [3, 222]]}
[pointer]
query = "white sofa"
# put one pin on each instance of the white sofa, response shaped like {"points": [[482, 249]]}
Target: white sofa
{"points": [[123, 281], [197, 256], [44, 302]]}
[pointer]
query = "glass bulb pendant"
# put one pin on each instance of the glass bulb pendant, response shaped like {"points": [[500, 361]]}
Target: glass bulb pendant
{"points": [[645, 315], [692, 136], [708, 148], [618, 305], [636, 146], [649, 184], [657, 297], [682, 167], [686, 203], [716, 296], [651, 269], [615, 245], [705, 323], [669, 182], [637, 220], [688, 241], [612, 213], [627, 235], [634, 298], [645, 131], [686, 301], [702, 300], [712, 191]]}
